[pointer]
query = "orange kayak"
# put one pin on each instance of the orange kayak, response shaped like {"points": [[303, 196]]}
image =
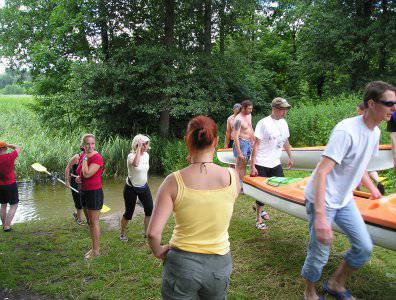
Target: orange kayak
{"points": [[306, 158], [379, 215]]}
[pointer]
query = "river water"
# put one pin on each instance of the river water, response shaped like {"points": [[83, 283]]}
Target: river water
{"points": [[39, 201]]}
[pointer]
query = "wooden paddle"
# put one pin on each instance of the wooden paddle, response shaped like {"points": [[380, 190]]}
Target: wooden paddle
{"points": [[40, 168]]}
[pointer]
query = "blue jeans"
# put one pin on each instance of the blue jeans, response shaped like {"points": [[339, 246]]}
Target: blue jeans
{"points": [[245, 146], [351, 222]]}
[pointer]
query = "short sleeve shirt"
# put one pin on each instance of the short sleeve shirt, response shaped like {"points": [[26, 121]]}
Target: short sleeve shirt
{"points": [[7, 164], [351, 145], [95, 181], [272, 135]]}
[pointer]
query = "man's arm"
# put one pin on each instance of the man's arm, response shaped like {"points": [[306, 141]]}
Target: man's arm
{"points": [[289, 153], [366, 181], [322, 228], [237, 131], [253, 170], [228, 134]]}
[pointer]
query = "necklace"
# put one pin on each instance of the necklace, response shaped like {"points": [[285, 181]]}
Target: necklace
{"points": [[202, 165]]}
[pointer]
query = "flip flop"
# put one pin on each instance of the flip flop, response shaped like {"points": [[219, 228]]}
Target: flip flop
{"points": [[345, 295], [262, 227]]}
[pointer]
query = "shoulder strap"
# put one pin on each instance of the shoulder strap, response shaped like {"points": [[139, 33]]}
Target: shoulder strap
{"points": [[180, 187], [233, 185]]}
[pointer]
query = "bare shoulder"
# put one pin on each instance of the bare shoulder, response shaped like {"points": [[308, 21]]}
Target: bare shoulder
{"points": [[169, 186]]}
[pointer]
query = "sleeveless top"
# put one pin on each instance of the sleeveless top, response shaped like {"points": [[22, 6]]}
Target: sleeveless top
{"points": [[73, 171], [202, 217]]}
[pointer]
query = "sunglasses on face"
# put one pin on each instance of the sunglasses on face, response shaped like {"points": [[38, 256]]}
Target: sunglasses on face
{"points": [[387, 103]]}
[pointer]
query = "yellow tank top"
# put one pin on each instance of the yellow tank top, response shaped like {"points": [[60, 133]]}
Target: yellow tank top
{"points": [[202, 217]]}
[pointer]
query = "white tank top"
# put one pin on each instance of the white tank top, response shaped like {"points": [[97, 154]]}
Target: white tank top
{"points": [[138, 175]]}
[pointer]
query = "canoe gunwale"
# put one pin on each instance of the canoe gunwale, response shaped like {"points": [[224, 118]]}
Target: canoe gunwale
{"points": [[381, 236]]}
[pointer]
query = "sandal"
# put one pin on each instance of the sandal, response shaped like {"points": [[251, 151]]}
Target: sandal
{"points": [[262, 227], [9, 229], [90, 254], [123, 238], [345, 295]]}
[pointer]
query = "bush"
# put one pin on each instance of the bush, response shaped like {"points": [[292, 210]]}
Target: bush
{"points": [[14, 89], [310, 124]]}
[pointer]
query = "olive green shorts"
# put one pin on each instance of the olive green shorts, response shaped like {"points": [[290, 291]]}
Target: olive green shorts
{"points": [[189, 275]]}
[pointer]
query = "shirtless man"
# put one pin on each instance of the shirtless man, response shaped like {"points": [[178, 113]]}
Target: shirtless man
{"points": [[229, 138], [243, 138]]}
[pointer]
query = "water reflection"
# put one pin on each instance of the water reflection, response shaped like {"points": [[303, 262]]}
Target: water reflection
{"points": [[42, 201]]}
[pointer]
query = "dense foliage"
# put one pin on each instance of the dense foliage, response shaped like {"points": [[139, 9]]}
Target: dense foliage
{"points": [[149, 65]]}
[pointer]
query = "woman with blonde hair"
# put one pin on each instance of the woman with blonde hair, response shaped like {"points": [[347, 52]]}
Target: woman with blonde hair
{"points": [[89, 170], [136, 183], [198, 261]]}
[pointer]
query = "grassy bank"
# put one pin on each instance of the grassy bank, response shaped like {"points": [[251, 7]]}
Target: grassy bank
{"points": [[53, 147], [44, 259]]}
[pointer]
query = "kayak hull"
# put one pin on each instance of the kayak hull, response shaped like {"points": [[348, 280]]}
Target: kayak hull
{"points": [[308, 157], [383, 235]]}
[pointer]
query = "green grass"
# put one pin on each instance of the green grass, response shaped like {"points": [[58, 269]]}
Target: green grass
{"points": [[45, 258]]}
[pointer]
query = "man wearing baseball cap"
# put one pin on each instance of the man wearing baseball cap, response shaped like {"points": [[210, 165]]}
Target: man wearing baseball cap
{"points": [[8, 186], [270, 137], [229, 138]]}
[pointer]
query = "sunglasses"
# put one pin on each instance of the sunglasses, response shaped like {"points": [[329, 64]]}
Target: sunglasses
{"points": [[387, 103]]}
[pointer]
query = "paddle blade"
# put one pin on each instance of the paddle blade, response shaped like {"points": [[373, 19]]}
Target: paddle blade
{"points": [[105, 208], [39, 167]]}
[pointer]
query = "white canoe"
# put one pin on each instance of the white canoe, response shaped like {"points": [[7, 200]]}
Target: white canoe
{"points": [[380, 218], [307, 158]]}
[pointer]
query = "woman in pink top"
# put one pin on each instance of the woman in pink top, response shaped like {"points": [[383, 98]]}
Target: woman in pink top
{"points": [[89, 170], [8, 186]]}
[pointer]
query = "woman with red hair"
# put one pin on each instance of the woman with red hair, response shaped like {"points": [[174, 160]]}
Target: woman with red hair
{"points": [[201, 196]]}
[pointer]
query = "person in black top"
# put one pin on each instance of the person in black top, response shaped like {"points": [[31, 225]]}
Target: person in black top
{"points": [[70, 176]]}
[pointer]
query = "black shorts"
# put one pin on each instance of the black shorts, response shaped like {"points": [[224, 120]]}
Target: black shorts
{"points": [[131, 194], [92, 200], [76, 196], [9, 194], [269, 172], [230, 143]]}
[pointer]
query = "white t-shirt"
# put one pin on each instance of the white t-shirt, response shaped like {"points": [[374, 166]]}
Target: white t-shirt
{"points": [[351, 145], [138, 175], [272, 135]]}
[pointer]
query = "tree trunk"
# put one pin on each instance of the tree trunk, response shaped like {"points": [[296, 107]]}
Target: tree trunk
{"points": [[222, 26], [104, 29], [383, 53], [207, 26], [169, 26], [320, 84], [169, 23]]}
